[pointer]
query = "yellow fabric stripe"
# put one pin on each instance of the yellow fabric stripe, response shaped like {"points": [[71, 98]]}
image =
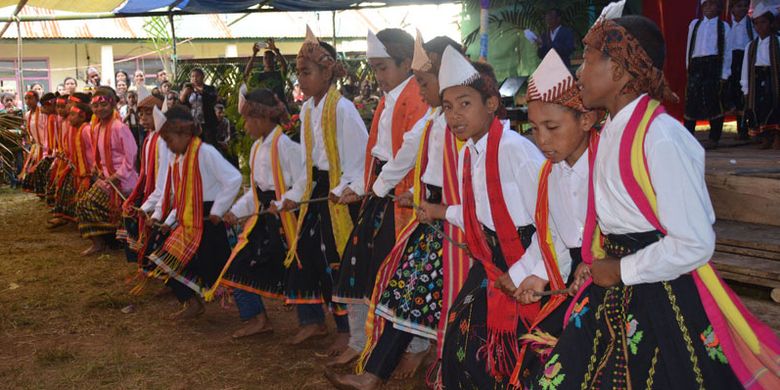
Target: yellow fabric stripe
{"points": [[288, 219], [638, 156], [341, 221]]}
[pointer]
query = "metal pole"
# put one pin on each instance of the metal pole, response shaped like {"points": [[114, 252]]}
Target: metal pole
{"points": [[20, 70], [173, 39], [18, 9]]}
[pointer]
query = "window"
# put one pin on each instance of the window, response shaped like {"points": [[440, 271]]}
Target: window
{"points": [[36, 70], [150, 66]]}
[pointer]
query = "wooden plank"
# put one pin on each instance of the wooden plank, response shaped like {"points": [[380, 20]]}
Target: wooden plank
{"points": [[761, 282], [750, 252], [750, 266], [748, 235], [745, 199]]}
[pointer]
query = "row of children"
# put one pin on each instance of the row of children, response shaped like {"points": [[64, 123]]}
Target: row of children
{"points": [[734, 69], [583, 265]]}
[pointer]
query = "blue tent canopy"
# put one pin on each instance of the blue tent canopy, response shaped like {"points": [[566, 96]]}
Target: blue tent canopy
{"points": [[220, 6]]}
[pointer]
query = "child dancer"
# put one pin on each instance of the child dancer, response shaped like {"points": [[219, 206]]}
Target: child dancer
{"points": [[407, 300], [761, 77], [709, 65], [563, 129], [656, 314], [99, 209], [35, 126], [481, 343], [256, 266], [60, 166], [740, 34], [142, 201], [200, 187], [79, 159], [389, 54], [331, 134]]}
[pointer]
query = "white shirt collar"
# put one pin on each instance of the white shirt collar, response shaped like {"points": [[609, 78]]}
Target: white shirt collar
{"points": [[623, 114], [580, 167], [736, 23], [270, 136], [710, 20], [396, 92]]}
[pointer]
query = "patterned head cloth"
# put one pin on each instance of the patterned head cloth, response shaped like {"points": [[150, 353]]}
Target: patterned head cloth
{"points": [[312, 51], [552, 82], [150, 101], [252, 109], [616, 42]]}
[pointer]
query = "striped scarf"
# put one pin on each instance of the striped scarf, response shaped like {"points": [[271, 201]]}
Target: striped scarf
{"points": [[187, 199]]}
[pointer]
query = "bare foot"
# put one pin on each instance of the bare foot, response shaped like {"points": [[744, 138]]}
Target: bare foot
{"points": [[307, 332], [339, 344], [191, 309], [409, 364], [346, 356], [93, 250], [256, 325], [55, 223], [366, 381]]}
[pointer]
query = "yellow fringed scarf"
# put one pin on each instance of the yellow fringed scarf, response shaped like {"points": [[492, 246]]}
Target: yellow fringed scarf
{"points": [[339, 213]]}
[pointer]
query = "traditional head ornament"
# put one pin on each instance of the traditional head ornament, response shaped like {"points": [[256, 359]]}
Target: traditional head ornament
{"points": [[455, 70], [312, 51], [252, 109], [420, 62], [623, 48], [159, 118], [552, 82], [763, 7], [101, 98], [374, 47], [31, 93], [61, 100]]}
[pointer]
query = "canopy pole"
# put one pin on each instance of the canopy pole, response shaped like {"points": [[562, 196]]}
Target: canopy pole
{"points": [[333, 28], [18, 9], [20, 70], [174, 56]]}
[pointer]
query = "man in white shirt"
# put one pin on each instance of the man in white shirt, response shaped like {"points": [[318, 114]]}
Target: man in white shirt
{"points": [[740, 34]]}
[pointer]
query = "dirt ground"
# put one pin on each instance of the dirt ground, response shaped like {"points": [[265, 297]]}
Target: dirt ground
{"points": [[61, 325]]}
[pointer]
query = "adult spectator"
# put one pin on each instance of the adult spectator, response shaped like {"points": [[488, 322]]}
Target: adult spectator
{"points": [[201, 99], [165, 87], [139, 80], [162, 77], [121, 75], [70, 85], [38, 88], [558, 37], [121, 88], [93, 77], [271, 77]]}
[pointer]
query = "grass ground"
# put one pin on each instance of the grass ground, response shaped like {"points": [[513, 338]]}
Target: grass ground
{"points": [[61, 325]]}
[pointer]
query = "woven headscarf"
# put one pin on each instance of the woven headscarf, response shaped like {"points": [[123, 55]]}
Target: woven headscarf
{"points": [[552, 82], [252, 109], [312, 50], [616, 42]]}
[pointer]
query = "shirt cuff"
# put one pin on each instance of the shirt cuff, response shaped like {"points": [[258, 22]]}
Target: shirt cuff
{"points": [[518, 272], [454, 215], [339, 189], [540, 271], [381, 188], [148, 207], [628, 271]]}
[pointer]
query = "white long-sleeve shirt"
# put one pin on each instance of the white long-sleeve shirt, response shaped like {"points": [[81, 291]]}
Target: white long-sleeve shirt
{"points": [[351, 137], [519, 164], [406, 158], [164, 156], [263, 178], [707, 43], [738, 37], [676, 164], [568, 202], [383, 149], [220, 180], [762, 59]]}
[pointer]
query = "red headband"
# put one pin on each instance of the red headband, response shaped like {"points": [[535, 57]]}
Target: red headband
{"points": [[31, 93], [61, 101], [101, 98], [74, 99], [76, 110]]}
